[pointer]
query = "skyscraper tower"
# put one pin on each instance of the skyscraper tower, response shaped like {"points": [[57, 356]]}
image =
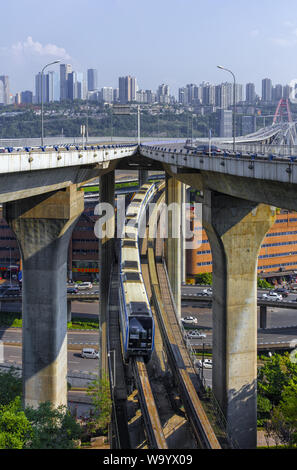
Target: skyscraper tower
{"points": [[266, 89], [127, 89], [92, 79], [65, 70], [4, 89], [250, 93]]}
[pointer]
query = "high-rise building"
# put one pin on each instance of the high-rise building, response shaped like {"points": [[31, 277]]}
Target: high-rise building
{"points": [[277, 92], [71, 86], [225, 122], [134, 88], [182, 96], [107, 94], [92, 79], [80, 90], [163, 94], [26, 96], [41, 80], [4, 89], [53, 86], [266, 89], [65, 70], [250, 93], [124, 89]]}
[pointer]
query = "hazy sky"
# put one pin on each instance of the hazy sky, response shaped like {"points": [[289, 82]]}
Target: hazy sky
{"points": [[159, 41]]}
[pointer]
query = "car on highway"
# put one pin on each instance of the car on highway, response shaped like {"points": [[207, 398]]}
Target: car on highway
{"points": [[281, 290], [204, 149], [10, 291], [90, 353], [72, 290], [84, 285], [195, 334], [189, 320], [207, 291], [274, 296], [207, 363]]}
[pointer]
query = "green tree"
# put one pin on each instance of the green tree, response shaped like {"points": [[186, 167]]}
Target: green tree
{"points": [[283, 423], [99, 390], [10, 386], [204, 279], [15, 428], [263, 284], [275, 375], [53, 428]]}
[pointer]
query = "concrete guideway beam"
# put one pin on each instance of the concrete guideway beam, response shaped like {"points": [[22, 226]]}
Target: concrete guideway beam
{"points": [[235, 228], [173, 243], [43, 226], [106, 254]]}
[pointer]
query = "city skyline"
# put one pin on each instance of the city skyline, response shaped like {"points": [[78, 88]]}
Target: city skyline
{"points": [[66, 83], [170, 42]]}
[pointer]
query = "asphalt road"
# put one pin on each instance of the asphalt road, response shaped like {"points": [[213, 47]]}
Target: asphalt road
{"points": [[281, 326]]}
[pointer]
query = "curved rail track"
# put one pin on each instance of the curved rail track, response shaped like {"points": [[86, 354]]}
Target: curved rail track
{"points": [[176, 349], [149, 410]]}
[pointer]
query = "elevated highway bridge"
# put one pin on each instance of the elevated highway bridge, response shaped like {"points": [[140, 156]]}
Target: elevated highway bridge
{"points": [[42, 200]]}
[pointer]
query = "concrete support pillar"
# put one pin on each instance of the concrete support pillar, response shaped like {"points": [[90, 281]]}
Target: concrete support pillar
{"points": [[142, 177], [263, 316], [173, 241], [106, 257], [235, 229], [43, 226], [183, 231], [69, 316]]}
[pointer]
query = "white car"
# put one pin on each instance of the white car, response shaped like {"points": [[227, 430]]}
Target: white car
{"points": [[207, 291], [85, 285], [189, 320], [272, 296], [195, 334], [207, 363], [90, 353]]}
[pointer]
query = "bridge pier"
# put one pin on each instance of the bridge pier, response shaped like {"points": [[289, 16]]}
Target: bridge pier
{"points": [[106, 255], [263, 316], [69, 314], [43, 225], [235, 228], [142, 177], [173, 243]]}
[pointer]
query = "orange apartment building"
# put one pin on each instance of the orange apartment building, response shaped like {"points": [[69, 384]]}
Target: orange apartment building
{"points": [[278, 251]]}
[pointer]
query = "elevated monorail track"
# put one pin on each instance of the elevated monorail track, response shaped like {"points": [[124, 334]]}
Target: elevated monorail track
{"points": [[154, 431], [176, 349]]}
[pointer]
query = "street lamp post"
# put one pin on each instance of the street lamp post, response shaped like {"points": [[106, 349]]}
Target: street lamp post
{"points": [[234, 86], [42, 71]]}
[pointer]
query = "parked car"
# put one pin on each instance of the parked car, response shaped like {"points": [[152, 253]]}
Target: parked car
{"points": [[85, 285], [207, 363], [272, 296], [195, 334], [90, 353], [189, 320]]}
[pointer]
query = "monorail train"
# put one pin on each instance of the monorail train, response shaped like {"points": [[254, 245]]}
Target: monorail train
{"points": [[136, 319]]}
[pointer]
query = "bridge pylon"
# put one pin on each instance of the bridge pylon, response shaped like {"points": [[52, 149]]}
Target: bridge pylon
{"points": [[282, 109]]}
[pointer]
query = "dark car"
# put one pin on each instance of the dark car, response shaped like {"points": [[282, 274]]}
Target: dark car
{"points": [[11, 291], [204, 149], [283, 291], [72, 290]]}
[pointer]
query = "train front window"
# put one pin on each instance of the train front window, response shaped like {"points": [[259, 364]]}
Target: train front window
{"points": [[140, 331]]}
